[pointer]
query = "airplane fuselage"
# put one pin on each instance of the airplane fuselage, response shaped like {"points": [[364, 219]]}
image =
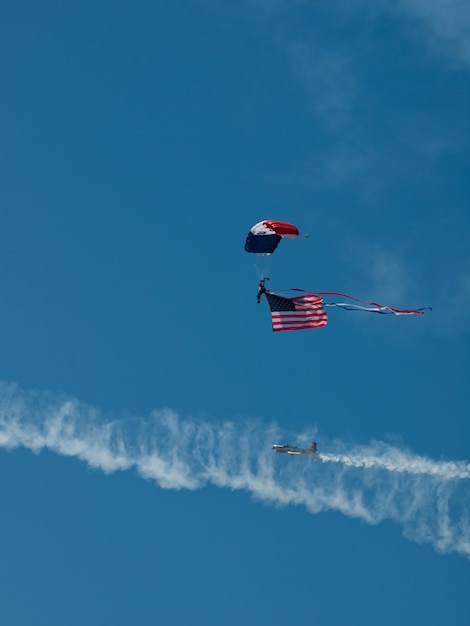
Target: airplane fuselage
{"points": [[294, 450]]}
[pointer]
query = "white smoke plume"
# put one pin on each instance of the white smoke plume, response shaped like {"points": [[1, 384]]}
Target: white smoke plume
{"points": [[428, 499]]}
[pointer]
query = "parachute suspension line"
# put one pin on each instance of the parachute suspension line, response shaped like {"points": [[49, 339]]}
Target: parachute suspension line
{"points": [[262, 276]]}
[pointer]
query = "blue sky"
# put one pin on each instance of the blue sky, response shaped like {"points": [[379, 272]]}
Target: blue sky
{"points": [[142, 386]]}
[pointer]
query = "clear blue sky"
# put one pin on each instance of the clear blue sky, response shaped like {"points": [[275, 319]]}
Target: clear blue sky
{"points": [[142, 386]]}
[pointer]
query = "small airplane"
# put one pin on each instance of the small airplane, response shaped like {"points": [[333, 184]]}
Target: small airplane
{"points": [[287, 449]]}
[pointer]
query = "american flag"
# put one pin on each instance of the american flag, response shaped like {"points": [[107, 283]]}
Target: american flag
{"points": [[296, 313]]}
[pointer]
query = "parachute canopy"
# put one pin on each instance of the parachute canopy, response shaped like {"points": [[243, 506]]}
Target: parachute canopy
{"points": [[265, 236]]}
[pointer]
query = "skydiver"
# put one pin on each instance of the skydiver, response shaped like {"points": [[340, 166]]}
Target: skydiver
{"points": [[261, 290]]}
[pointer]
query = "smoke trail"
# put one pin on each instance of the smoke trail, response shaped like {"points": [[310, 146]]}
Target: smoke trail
{"points": [[394, 460], [429, 500]]}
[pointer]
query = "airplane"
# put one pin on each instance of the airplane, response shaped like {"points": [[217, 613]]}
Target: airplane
{"points": [[287, 449]]}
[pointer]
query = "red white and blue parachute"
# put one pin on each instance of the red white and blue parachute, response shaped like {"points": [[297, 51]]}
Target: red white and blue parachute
{"points": [[265, 236]]}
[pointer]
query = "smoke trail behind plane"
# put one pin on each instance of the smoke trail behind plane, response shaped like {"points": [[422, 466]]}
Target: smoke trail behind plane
{"points": [[429, 500], [395, 460]]}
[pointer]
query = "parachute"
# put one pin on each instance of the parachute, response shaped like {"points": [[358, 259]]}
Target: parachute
{"points": [[265, 236]]}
